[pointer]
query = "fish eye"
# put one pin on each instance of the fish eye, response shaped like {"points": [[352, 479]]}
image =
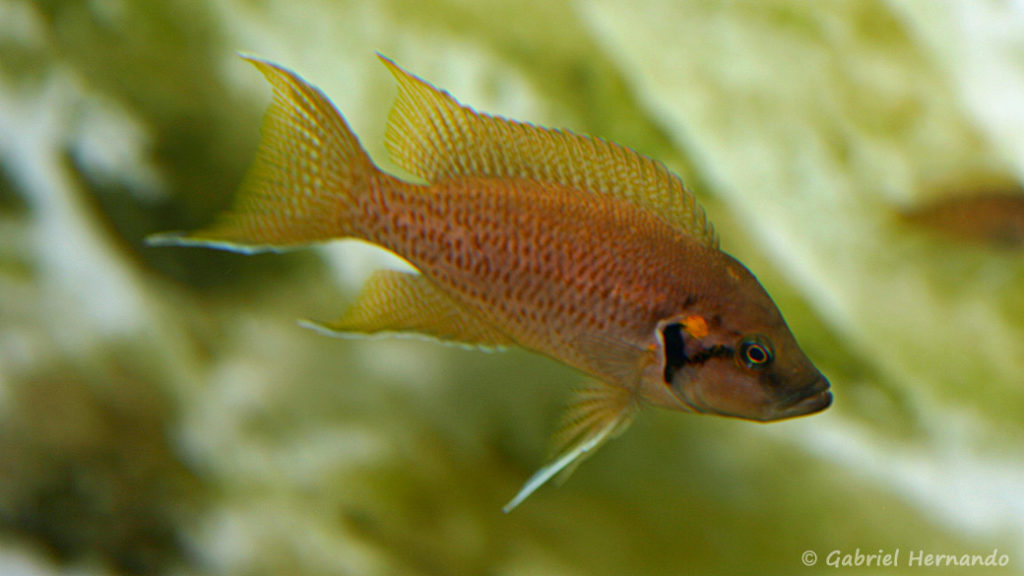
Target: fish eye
{"points": [[756, 352]]}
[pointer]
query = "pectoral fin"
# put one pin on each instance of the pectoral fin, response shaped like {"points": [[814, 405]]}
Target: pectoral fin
{"points": [[598, 413], [404, 302]]}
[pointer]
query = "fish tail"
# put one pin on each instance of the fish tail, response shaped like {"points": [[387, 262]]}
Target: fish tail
{"points": [[307, 183]]}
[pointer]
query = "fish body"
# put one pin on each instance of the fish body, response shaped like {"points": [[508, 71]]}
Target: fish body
{"points": [[563, 244], [555, 279], [988, 218]]}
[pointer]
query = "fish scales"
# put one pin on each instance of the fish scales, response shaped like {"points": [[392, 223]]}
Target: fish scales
{"points": [[517, 251], [567, 245]]}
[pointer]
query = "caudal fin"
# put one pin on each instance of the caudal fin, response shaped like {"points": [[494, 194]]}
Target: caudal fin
{"points": [[302, 187]]}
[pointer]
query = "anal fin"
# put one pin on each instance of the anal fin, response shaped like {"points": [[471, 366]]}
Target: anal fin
{"points": [[402, 302], [598, 413]]}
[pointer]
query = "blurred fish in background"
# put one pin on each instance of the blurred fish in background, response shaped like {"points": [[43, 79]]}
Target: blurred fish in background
{"points": [[992, 218], [160, 412]]}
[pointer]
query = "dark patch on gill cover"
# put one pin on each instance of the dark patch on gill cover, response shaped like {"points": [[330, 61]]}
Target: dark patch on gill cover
{"points": [[675, 350], [676, 356]]}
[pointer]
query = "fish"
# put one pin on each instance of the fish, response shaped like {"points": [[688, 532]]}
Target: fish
{"points": [[564, 244], [990, 217]]}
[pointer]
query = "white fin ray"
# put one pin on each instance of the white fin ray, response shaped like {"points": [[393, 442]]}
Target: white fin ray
{"points": [[598, 413]]}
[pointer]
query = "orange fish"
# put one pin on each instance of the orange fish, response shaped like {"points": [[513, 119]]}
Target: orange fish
{"points": [[992, 218], [567, 245]]}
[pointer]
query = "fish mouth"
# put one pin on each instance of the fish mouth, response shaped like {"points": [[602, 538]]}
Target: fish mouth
{"points": [[807, 400]]}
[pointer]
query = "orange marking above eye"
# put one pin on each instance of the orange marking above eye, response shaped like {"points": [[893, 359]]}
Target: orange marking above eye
{"points": [[696, 326]]}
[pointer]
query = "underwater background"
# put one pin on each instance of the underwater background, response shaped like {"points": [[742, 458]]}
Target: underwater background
{"points": [[161, 412]]}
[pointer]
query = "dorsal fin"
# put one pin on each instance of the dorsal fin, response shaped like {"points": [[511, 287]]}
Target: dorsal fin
{"points": [[433, 136]]}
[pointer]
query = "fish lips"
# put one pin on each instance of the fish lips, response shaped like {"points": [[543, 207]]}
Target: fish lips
{"points": [[809, 399]]}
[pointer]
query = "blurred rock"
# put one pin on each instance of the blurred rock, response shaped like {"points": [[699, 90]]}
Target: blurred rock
{"points": [[160, 412]]}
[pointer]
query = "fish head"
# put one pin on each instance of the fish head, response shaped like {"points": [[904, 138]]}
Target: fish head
{"points": [[732, 354]]}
